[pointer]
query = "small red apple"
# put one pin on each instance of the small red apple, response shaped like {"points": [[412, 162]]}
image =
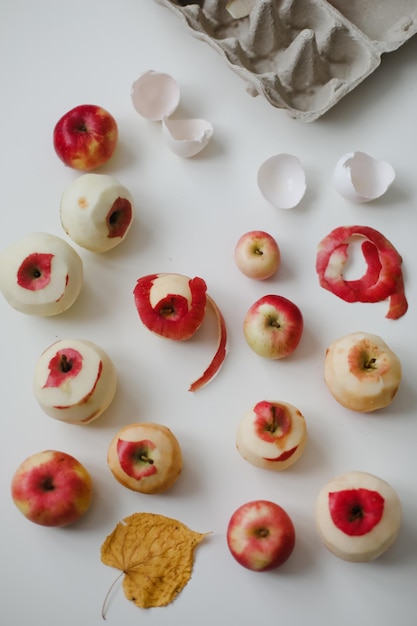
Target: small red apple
{"points": [[358, 516], [257, 255], [85, 137], [52, 488], [260, 535], [273, 327]]}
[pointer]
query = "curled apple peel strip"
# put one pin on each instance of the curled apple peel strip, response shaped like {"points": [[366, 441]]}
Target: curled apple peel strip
{"points": [[383, 278], [174, 306]]}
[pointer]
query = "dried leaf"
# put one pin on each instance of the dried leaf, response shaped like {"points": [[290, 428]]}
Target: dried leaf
{"points": [[155, 553]]}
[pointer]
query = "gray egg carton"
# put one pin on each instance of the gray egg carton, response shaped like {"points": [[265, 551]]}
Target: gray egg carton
{"points": [[302, 55]]}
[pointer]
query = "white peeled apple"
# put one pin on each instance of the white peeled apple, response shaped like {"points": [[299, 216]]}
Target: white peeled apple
{"points": [[145, 457], [40, 274], [74, 381], [96, 212], [362, 372], [272, 435], [358, 516], [174, 306]]}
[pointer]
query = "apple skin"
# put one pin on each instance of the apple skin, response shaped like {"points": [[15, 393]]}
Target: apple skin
{"points": [[358, 516], [85, 137], [273, 326], [52, 488], [361, 372], [257, 255], [260, 535], [40, 274]]}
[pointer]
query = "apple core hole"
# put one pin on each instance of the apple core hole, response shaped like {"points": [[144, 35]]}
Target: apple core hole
{"points": [[262, 533], [65, 364], [356, 513]]}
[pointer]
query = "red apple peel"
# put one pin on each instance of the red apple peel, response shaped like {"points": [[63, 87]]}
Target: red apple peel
{"points": [[174, 306], [383, 278]]}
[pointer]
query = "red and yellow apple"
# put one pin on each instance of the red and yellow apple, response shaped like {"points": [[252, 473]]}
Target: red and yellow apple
{"points": [[96, 212], [74, 381], [85, 137], [52, 488], [145, 457], [358, 516], [40, 274], [257, 255], [260, 535], [272, 435], [362, 373], [273, 326]]}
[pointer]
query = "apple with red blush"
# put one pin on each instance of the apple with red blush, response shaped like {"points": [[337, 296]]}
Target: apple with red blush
{"points": [[257, 255], [74, 381], [52, 488], [273, 326], [85, 137], [40, 274], [358, 516], [96, 212], [260, 535]]}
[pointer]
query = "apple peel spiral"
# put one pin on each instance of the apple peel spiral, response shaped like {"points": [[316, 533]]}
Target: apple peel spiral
{"points": [[383, 278], [174, 306]]}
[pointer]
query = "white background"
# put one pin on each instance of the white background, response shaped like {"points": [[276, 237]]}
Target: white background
{"points": [[189, 214]]}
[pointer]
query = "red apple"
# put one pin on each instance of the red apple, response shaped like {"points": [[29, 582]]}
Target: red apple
{"points": [[40, 274], [260, 535], [52, 488], [145, 457], [85, 137], [74, 381], [358, 516], [273, 327], [272, 435], [257, 255]]}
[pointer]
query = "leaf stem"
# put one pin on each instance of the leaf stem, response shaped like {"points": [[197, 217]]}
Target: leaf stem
{"points": [[105, 601]]}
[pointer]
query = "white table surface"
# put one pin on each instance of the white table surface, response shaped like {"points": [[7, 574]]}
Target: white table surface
{"points": [[189, 214]]}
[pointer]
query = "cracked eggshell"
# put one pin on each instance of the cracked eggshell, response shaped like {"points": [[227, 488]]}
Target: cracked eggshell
{"points": [[155, 95], [361, 178], [282, 181], [186, 137]]}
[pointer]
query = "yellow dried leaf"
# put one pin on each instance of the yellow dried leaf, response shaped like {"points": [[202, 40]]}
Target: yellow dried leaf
{"points": [[156, 555]]}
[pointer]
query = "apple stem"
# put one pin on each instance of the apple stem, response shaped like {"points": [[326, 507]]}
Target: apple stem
{"points": [[48, 484], [262, 532], [369, 364], [65, 364], [273, 322]]}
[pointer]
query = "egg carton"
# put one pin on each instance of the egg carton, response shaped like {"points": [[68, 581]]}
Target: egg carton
{"points": [[302, 55]]}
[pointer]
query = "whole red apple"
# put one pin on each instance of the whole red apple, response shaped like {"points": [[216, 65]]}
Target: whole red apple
{"points": [[273, 326], [52, 488], [257, 255], [85, 137], [260, 535]]}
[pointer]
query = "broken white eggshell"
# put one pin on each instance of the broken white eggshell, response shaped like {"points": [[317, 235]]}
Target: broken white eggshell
{"points": [[186, 137], [155, 95], [282, 181], [361, 178]]}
